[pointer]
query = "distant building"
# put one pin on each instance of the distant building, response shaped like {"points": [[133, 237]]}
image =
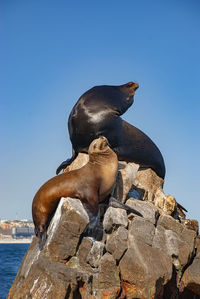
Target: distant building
{"points": [[6, 226], [22, 232], [5, 231]]}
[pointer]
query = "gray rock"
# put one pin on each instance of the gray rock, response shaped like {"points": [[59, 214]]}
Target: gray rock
{"points": [[68, 223], [141, 229], [79, 162], [189, 236], [142, 267], [170, 223], [159, 239], [191, 278], [147, 209], [117, 243], [108, 273], [95, 254], [197, 246], [177, 248], [125, 179], [148, 180], [180, 245], [113, 218], [30, 258], [191, 224], [83, 251], [128, 256], [44, 279]]}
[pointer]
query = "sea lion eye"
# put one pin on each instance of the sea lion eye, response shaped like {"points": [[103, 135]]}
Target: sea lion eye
{"points": [[129, 84]]}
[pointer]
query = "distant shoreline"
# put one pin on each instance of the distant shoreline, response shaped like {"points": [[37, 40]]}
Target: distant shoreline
{"points": [[15, 241]]}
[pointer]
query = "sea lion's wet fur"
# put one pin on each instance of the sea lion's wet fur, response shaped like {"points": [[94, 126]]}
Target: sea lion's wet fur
{"points": [[97, 113], [91, 184]]}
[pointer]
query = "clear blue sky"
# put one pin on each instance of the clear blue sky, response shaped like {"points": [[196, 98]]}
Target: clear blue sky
{"points": [[53, 51]]}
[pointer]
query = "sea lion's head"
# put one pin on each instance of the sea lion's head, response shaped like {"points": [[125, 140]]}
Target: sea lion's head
{"points": [[101, 154], [127, 90], [124, 97], [99, 145], [100, 101], [130, 88]]}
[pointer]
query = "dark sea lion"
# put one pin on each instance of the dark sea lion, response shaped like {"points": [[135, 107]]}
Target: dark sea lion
{"points": [[91, 184], [97, 113]]}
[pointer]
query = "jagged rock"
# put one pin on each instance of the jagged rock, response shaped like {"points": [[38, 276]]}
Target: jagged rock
{"points": [[147, 209], [141, 229], [126, 176], [169, 205], [40, 277], [79, 162], [145, 268], [169, 223], [126, 256], [150, 188], [197, 246], [191, 224], [113, 218], [166, 204], [83, 252], [43, 273], [108, 274], [191, 277], [147, 179], [175, 240], [95, 254], [64, 234], [117, 243]]}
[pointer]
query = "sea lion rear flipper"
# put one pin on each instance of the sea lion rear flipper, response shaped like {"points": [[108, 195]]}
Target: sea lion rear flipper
{"points": [[113, 202], [66, 163], [181, 207]]}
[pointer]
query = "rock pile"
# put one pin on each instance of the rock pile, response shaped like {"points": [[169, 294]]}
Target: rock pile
{"points": [[126, 256]]}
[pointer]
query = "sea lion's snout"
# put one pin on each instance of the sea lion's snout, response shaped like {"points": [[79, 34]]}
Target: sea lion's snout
{"points": [[132, 86], [135, 86], [103, 139], [98, 144], [129, 89], [103, 143]]}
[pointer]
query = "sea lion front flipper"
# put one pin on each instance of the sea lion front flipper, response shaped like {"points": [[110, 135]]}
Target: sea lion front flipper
{"points": [[113, 202], [66, 163], [42, 240]]}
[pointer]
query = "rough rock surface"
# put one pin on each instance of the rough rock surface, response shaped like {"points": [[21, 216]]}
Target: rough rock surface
{"points": [[128, 256]]}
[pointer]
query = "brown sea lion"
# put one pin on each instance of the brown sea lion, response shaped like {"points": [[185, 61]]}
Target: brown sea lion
{"points": [[91, 184], [97, 113]]}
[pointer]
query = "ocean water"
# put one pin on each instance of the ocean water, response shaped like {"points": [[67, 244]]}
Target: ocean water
{"points": [[11, 256]]}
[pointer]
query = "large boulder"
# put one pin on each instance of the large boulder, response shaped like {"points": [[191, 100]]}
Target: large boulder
{"points": [[191, 277], [127, 256]]}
